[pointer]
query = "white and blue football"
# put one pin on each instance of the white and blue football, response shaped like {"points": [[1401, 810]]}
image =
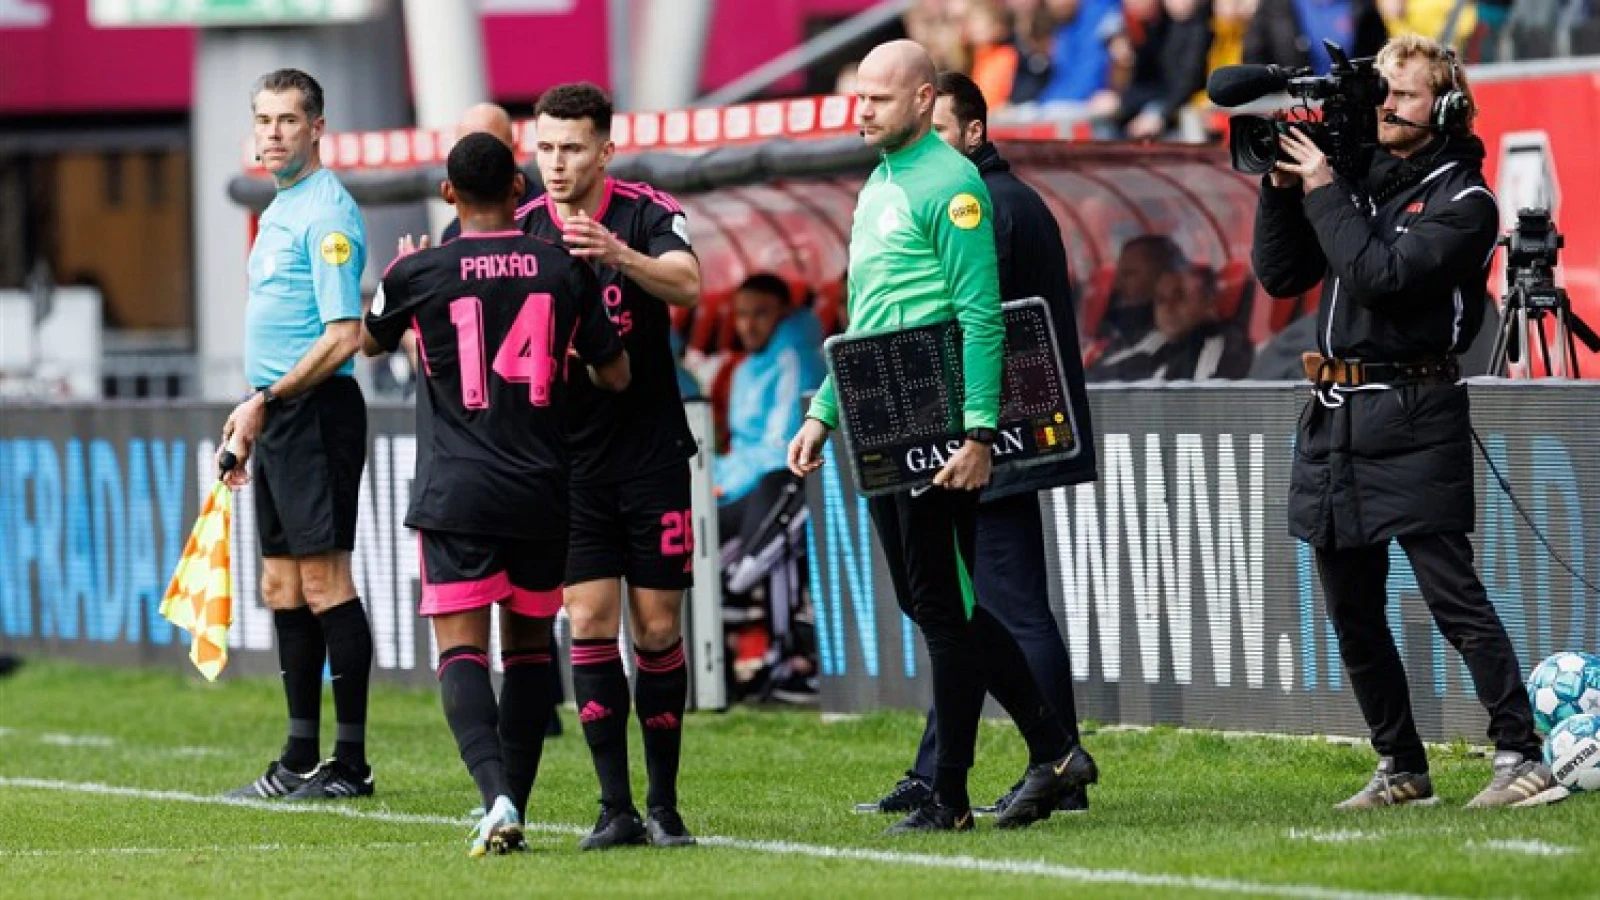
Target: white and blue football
{"points": [[1573, 753], [1565, 685]]}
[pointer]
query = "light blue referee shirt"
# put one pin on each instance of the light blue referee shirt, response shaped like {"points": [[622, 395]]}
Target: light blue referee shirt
{"points": [[305, 271]]}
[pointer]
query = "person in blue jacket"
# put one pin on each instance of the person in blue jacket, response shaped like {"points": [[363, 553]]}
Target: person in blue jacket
{"points": [[785, 346]]}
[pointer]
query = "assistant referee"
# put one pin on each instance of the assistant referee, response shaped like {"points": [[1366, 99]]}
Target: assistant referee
{"points": [[305, 427]]}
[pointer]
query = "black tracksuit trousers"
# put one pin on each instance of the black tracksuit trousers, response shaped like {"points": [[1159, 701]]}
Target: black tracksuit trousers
{"points": [[929, 541]]}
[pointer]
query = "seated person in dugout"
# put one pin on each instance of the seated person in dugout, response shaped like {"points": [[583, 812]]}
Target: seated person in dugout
{"points": [[1188, 341]]}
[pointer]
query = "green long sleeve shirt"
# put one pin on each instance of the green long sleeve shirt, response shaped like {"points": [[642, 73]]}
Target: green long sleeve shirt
{"points": [[922, 252]]}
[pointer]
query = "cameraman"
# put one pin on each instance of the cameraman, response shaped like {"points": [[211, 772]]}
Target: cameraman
{"points": [[1384, 449]]}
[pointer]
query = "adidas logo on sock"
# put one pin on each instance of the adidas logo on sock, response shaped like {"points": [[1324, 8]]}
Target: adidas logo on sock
{"points": [[666, 721], [593, 712]]}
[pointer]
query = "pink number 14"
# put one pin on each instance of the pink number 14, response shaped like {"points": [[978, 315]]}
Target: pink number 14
{"points": [[524, 357]]}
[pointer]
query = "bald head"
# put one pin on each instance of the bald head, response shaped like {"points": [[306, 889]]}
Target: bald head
{"points": [[895, 95], [902, 63], [487, 118]]}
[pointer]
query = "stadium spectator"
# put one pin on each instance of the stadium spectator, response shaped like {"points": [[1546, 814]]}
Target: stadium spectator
{"points": [[1129, 314], [755, 489], [1230, 19], [1169, 67], [784, 343], [1188, 342], [994, 51], [1035, 39], [1290, 32], [1450, 22], [1081, 55]]}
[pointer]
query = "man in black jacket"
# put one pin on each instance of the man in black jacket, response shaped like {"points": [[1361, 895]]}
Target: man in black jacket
{"points": [[1010, 567], [1384, 449]]}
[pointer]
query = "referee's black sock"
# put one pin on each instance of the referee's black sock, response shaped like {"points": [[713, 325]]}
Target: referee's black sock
{"points": [[660, 694], [525, 711], [1006, 672], [600, 687], [349, 638], [469, 707], [301, 650]]}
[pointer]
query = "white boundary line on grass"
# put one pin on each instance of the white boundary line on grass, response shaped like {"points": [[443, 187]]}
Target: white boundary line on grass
{"points": [[214, 848], [783, 848]]}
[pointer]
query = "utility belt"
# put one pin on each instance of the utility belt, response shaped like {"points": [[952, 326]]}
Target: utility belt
{"points": [[1327, 370]]}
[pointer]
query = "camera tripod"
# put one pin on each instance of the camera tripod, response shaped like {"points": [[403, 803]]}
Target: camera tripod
{"points": [[1522, 313]]}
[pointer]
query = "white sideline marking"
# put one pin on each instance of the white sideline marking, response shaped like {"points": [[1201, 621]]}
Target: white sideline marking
{"points": [[102, 742], [213, 848], [1532, 848], [76, 740], [1330, 837], [784, 848]]}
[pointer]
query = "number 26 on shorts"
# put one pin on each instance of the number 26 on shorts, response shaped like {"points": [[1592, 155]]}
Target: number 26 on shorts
{"points": [[677, 533]]}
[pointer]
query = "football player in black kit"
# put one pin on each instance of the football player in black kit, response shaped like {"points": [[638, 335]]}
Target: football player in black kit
{"points": [[499, 317], [630, 472]]}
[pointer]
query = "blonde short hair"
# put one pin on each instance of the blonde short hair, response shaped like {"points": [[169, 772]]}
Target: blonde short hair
{"points": [[1444, 70]]}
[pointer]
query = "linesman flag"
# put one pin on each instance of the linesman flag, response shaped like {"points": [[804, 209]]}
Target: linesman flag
{"points": [[200, 597]]}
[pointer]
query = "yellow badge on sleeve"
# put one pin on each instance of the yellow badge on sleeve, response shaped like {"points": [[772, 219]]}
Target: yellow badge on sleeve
{"points": [[965, 211], [335, 249]]}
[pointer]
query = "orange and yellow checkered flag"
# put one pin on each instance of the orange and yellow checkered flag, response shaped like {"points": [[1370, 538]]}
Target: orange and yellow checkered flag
{"points": [[200, 597]]}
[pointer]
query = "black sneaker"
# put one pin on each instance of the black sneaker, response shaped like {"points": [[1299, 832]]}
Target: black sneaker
{"points": [[335, 780], [933, 816], [666, 828], [1044, 786], [1074, 801], [910, 794], [278, 782], [615, 828]]}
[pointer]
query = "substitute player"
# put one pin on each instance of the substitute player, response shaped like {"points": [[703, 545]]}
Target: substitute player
{"points": [[305, 425], [495, 312], [630, 472]]}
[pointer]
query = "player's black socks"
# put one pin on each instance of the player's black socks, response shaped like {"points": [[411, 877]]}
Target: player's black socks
{"points": [[300, 654], [601, 689], [660, 694], [349, 638], [470, 709], [525, 708]]}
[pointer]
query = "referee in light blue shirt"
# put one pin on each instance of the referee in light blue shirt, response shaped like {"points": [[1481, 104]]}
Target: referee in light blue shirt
{"points": [[305, 427]]}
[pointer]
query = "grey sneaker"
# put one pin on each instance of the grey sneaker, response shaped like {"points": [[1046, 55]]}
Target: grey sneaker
{"points": [[1516, 778], [1391, 788]]}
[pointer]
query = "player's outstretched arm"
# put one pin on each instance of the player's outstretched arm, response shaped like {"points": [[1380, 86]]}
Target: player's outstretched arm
{"points": [[613, 375]]}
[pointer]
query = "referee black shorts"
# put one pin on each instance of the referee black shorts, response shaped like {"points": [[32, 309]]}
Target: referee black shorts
{"points": [[308, 463]]}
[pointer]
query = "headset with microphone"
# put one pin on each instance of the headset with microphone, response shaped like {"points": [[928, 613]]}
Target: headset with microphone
{"points": [[1451, 109]]}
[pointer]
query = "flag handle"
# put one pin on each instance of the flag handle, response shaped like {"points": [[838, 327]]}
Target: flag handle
{"points": [[227, 460]]}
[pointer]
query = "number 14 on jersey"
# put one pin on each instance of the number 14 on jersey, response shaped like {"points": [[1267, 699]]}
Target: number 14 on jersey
{"points": [[526, 356]]}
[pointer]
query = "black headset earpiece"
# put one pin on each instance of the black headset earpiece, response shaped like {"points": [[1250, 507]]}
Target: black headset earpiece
{"points": [[1450, 108]]}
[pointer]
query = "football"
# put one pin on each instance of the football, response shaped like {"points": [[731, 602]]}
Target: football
{"points": [[1564, 685], [1573, 753]]}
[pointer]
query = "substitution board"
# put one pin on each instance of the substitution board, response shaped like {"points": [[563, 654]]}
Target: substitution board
{"points": [[901, 394]]}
